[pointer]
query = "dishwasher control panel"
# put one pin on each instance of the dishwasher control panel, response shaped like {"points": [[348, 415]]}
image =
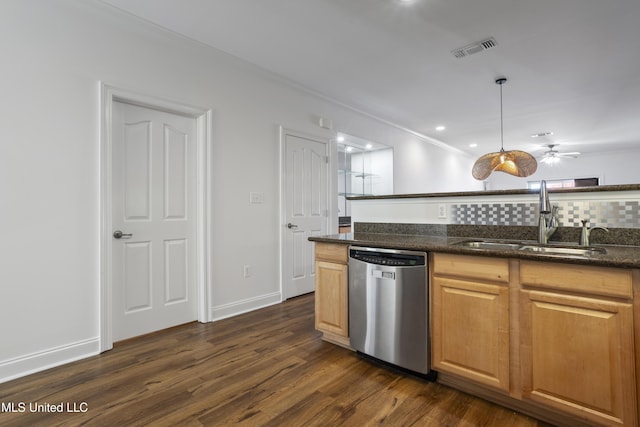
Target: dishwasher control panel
{"points": [[388, 257]]}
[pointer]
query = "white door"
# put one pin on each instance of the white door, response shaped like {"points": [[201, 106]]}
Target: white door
{"points": [[306, 198], [154, 182]]}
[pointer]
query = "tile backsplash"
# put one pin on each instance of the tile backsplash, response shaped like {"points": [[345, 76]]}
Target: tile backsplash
{"points": [[615, 214]]}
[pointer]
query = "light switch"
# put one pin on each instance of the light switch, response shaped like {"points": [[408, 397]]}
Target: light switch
{"points": [[256, 197]]}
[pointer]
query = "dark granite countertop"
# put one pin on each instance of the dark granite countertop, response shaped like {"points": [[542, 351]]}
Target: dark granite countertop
{"points": [[616, 256]]}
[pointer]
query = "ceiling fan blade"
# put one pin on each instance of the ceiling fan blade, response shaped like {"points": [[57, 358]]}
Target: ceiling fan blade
{"points": [[570, 154]]}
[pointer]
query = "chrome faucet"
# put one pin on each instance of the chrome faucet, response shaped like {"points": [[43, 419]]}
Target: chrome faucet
{"points": [[548, 219], [586, 232]]}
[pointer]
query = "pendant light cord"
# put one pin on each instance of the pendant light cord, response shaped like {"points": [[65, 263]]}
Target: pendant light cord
{"points": [[501, 125], [501, 82]]}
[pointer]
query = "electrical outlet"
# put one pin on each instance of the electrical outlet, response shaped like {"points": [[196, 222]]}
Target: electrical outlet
{"points": [[247, 271], [442, 211]]}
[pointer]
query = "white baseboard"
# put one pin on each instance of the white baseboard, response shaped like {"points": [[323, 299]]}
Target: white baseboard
{"points": [[40, 361], [238, 307]]}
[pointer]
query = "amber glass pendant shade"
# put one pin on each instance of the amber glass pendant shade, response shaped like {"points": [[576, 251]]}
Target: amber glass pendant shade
{"points": [[514, 162]]}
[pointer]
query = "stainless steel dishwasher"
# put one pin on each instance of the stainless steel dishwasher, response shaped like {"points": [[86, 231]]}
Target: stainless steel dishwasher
{"points": [[388, 306]]}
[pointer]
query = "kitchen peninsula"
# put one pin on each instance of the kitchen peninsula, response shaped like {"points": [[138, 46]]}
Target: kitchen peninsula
{"points": [[551, 334]]}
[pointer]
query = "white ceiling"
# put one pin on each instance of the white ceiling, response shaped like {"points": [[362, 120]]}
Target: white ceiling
{"points": [[573, 66]]}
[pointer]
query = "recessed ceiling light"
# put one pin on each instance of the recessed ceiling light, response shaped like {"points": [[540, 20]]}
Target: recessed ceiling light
{"points": [[473, 145], [349, 149], [369, 146], [340, 138], [541, 134], [440, 128]]}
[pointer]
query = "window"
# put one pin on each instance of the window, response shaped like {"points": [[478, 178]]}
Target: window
{"points": [[565, 183]]}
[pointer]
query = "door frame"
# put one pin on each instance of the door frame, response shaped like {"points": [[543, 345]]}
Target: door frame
{"points": [[332, 191], [204, 117]]}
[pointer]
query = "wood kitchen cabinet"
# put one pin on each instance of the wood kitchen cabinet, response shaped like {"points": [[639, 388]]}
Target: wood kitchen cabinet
{"points": [[553, 340], [332, 292], [577, 341], [470, 318]]}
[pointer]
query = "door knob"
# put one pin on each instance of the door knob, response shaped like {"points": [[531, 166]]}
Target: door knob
{"points": [[120, 235], [289, 225]]}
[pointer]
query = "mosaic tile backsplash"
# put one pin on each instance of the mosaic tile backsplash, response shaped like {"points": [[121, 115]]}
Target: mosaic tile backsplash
{"points": [[623, 214]]}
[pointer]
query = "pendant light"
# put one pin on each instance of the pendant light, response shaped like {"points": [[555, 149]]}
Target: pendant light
{"points": [[514, 162]]}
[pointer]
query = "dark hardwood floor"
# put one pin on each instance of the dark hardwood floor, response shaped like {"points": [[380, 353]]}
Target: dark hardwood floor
{"points": [[264, 368]]}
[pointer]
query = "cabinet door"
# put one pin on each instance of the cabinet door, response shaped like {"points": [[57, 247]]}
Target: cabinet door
{"points": [[332, 293], [470, 330], [576, 356]]}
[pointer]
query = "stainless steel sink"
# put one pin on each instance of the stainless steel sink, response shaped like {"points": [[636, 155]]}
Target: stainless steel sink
{"points": [[533, 247], [554, 250], [480, 244]]}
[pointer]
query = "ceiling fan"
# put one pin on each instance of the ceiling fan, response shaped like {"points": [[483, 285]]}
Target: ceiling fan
{"points": [[552, 155]]}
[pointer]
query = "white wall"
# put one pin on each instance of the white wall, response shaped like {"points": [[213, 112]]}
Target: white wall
{"points": [[424, 168], [54, 53], [616, 167]]}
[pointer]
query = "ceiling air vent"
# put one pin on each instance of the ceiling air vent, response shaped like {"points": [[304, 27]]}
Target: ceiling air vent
{"points": [[474, 48]]}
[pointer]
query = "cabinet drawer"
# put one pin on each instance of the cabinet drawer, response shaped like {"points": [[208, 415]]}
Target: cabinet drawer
{"points": [[335, 252], [613, 282], [472, 267]]}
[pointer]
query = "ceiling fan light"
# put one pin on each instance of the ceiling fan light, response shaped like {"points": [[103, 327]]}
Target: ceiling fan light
{"points": [[553, 156], [550, 160]]}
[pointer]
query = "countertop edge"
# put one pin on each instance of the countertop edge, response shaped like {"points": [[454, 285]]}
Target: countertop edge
{"points": [[447, 245], [601, 188]]}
